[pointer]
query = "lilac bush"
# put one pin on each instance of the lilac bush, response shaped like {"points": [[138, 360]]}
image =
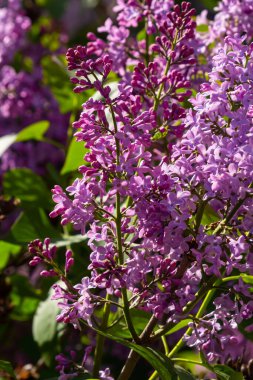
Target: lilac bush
{"points": [[163, 195]]}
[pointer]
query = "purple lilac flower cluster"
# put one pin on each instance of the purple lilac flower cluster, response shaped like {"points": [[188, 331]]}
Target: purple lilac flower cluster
{"points": [[13, 26], [214, 159], [233, 17], [155, 174], [24, 91], [162, 59], [119, 133], [21, 91]]}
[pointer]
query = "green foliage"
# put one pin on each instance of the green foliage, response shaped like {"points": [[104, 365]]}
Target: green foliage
{"points": [[157, 360], [209, 4], [202, 28], [247, 278], [66, 240], [24, 298], [31, 225], [46, 331], [35, 131], [183, 374], [74, 157], [56, 76], [44, 322], [180, 325], [209, 216], [28, 187], [224, 372], [6, 367], [140, 319], [55, 8], [6, 251]]}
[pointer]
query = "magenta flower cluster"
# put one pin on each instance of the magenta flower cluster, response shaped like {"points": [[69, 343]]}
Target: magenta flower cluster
{"points": [[165, 196], [13, 26], [23, 96]]}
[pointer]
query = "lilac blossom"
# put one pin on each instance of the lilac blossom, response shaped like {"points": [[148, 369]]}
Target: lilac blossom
{"points": [[233, 17], [210, 157], [155, 173], [13, 27], [22, 90], [120, 165]]}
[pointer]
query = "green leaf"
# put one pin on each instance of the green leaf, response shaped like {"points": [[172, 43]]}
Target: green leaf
{"points": [[44, 326], [22, 231], [160, 135], [7, 368], [35, 131], [180, 325], [6, 250], [140, 319], [202, 28], [23, 307], [183, 374], [157, 360], [209, 4], [56, 8], [24, 298], [32, 224], [209, 216], [247, 278], [75, 157], [27, 186], [141, 35], [227, 373], [32, 132]]}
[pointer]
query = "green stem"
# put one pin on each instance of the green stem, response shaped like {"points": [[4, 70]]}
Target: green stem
{"points": [[128, 316], [165, 345], [128, 368], [199, 214], [119, 237], [232, 213], [186, 360], [199, 314], [133, 357], [188, 308], [101, 339], [231, 278]]}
